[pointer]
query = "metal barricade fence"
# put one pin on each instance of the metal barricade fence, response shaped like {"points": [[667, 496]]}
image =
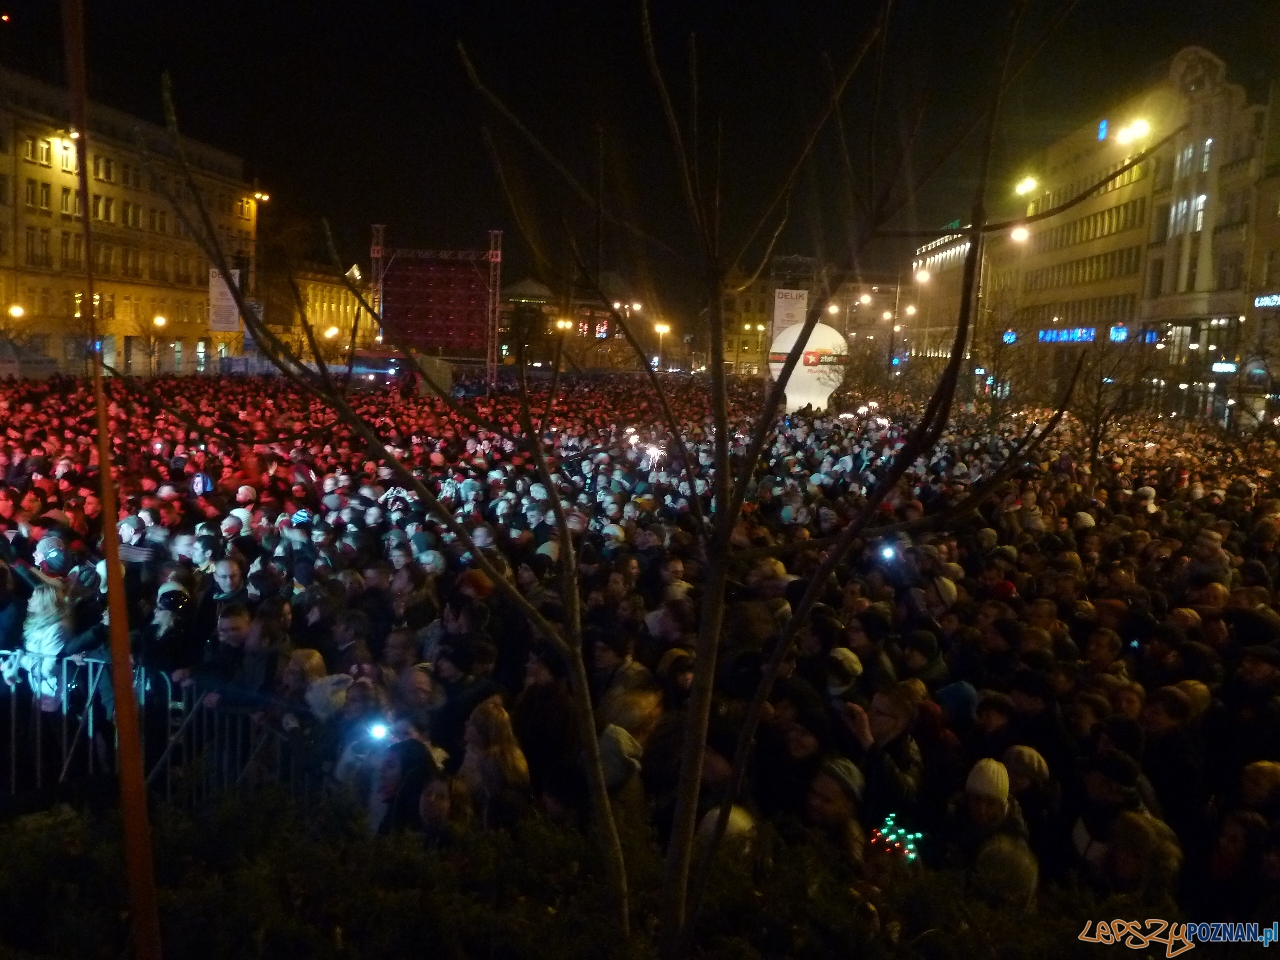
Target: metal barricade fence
{"points": [[59, 730]]}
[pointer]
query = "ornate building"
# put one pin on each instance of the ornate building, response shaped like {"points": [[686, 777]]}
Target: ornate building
{"points": [[151, 279]]}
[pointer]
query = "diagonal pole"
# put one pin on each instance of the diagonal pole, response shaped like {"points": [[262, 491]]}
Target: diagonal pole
{"points": [[133, 791]]}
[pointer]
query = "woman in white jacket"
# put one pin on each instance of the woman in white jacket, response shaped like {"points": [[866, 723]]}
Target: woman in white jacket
{"points": [[44, 635]]}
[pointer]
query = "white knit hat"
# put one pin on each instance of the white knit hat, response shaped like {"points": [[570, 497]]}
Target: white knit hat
{"points": [[988, 778]]}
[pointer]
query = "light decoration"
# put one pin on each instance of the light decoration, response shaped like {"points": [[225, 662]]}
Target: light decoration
{"points": [[892, 838]]}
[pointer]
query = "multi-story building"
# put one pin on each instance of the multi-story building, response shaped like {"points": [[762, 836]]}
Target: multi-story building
{"points": [[748, 313], [580, 326], [151, 280], [331, 309], [1165, 251]]}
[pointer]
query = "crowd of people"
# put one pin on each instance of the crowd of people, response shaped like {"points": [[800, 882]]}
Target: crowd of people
{"points": [[1078, 684]]}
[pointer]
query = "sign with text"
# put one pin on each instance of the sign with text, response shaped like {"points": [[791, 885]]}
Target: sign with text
{"points": [[224, 316], [789, 308]]}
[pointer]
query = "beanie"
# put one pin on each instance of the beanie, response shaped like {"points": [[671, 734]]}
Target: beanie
{"points": [[850, 778], [1026, 762], [988, 778]]}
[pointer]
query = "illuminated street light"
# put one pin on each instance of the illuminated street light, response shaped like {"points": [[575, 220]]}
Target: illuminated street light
{"points": [[564, 326], [760, 328], [261, 197], [887, 315], [1134, 131], [923, 276], [1019, 234], [331, 333], [833, 309], [911, 310], [617, 305], [159, 321], [636, 306], [16, 311], [1025, 186], [661, 329], [897, 328], [865, 298]]}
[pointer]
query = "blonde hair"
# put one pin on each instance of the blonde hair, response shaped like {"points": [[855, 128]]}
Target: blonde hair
{"points": [[498, 743], [46, 603]]}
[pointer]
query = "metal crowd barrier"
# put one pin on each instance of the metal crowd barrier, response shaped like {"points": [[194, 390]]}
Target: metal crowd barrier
{"points": [[58, 733]]}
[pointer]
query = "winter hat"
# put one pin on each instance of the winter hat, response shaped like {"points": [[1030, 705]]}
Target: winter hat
{"points": [[959, 701], [845, 663], [1026, 762], [850, 778], [1084, 521], [988, 778]]}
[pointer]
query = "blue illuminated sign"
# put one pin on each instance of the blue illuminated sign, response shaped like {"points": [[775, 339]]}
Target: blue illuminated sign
{"points": [[1102, 129], [1069, 335], [1119, 333], [1008, 337], [1150, 336], [1267, 300]]}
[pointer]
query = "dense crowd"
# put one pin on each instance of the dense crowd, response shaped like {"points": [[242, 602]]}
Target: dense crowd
{"points": [[1081, 684]]}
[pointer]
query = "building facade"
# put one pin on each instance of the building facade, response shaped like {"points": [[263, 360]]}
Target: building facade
{"points": [[151, 280], [1168, 254]]}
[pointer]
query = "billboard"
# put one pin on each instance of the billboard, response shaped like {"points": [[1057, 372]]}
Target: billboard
{"points": [[789, 308], [437, 304], [224, 316]]}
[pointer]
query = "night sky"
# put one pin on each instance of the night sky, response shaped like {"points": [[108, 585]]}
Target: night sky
{"points": [[362, 113]]}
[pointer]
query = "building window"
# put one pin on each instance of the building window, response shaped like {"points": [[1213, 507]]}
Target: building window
{"points": [[1155, 280], [1205, 153], [29, 149], [31, 246], [64, 248], [1185, 162], [162, 220], [109, 210], [44, 153], [69, 159], [1269, 268], [1197, 220], [31, 193], [66, 201], [46, 192], [4, 190], [1193, 262], [46, 259], [97, 206]]}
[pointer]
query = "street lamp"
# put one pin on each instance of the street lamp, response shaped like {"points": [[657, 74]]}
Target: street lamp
{"points": [[833, 308], [1019, 234], [923, 276], [1025, 186], [1134, 131], [887, 315], [661, 329], [158, 321], [331, 333], [911, 310], [16, 311], [564, 326], [865, 299]]}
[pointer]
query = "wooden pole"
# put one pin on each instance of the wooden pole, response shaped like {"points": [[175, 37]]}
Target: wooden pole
{"points": [[133, 795]]}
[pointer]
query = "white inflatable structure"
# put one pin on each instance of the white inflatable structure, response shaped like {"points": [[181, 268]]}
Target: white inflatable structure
{"points": [[821, 367]]}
